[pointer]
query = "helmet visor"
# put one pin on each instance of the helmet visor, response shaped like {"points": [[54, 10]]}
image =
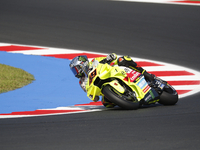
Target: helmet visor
{"points": [[76, 71]]}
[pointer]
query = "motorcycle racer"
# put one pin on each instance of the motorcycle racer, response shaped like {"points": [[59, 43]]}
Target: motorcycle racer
{"points": [[80, 66]]}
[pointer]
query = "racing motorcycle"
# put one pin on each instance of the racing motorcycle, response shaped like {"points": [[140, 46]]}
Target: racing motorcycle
{"points": [[127, 88]]}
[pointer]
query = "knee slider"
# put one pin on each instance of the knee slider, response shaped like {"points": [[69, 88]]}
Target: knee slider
{"points": [[121, 61], [126, 61], [127, 58]]}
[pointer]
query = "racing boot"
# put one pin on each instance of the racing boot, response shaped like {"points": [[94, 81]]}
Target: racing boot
{"points": [[149, 77]]}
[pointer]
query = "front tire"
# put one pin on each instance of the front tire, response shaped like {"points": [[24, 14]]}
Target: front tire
{"points": [[119, 99]]}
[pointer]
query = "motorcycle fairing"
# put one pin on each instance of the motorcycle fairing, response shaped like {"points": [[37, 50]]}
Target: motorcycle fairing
{"points": [[151, 94], [105, 71]]}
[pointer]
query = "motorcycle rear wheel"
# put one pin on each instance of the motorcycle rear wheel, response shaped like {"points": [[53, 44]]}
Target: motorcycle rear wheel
{"points": [[169, 96], [119, 99]]}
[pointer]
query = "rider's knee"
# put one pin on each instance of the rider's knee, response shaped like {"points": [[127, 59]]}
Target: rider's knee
{"points": [[126, 61]]}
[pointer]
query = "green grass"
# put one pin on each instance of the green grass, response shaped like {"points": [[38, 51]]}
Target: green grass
{"points": [[13, 78]]}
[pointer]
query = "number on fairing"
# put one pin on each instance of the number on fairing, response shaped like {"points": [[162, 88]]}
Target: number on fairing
{"points": [[92, 75]]}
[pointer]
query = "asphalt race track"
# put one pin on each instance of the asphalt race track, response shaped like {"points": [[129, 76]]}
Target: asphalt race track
{"points": [[163, 32]]}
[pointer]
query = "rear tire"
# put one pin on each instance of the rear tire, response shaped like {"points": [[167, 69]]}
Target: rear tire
{"points": [[118, 99], [169, 96]]}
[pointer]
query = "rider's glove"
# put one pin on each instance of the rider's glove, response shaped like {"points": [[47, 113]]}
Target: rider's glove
{"points": [[96, 98], [82, 82], [111, 57]]}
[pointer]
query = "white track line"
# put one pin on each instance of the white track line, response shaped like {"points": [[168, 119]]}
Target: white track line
{"points": [[176, 2]]}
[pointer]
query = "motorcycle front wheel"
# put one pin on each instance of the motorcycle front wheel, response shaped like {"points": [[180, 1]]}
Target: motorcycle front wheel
{"points": [[123, 101]]}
